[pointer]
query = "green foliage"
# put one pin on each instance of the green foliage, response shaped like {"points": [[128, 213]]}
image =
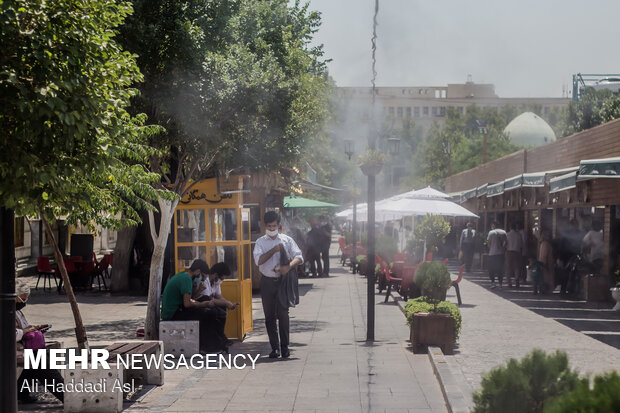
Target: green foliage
{"points": [[603, 397], [424, 305], [386, 247], [234, 82], [372, 157], [433, 229], [526, 385], [594, 108], [433, 278], [68, 140]]}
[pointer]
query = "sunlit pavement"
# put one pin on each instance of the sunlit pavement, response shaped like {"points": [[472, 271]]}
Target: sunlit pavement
{"points": [[331, 368]]}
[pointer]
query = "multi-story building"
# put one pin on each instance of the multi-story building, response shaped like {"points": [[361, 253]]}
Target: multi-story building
{"points": [[428, 104]]}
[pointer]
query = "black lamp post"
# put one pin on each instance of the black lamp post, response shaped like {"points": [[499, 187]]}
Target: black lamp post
{"points": [[349, 150], [482, 128], [447, 149]]}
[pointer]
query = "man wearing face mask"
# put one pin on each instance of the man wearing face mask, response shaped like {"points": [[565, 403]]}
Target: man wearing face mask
{"points": [[267, 257], [209, 290]]}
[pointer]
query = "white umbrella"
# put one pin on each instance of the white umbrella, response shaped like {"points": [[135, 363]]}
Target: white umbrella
{"points": [[392, 210]]}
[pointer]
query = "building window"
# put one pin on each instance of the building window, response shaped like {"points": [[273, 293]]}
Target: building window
{"points": [[425, 111], [391, 111], [403, 91], [19, 232], [434, 110], [420, 91], [399, 112], [442, 111], [416, 112], [408, 112], [461, 110], [546, 110]]}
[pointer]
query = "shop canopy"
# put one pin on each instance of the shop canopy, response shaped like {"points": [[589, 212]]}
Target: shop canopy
{"points": [[299, 202], [563, 182], [599, 168]]}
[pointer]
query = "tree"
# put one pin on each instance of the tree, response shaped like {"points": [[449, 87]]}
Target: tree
{"points": [[64, 86], [234, 83], [594, 108]]}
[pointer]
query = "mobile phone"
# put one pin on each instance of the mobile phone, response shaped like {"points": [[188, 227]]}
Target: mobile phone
{"points": [[45, 328]]}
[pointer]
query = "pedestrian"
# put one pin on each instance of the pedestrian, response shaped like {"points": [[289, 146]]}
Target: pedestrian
{"points": [[536, 271], [267, 257], [545, 256], [177, 304], [514, 245], [314, 240], [467, 243], [497, 245], [592, 246], [326, 234]]}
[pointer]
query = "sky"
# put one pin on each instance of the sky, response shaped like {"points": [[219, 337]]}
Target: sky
{"points": [[526, 48]]}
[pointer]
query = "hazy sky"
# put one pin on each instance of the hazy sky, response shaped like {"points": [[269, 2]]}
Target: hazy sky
{"points": [[527, 48]]}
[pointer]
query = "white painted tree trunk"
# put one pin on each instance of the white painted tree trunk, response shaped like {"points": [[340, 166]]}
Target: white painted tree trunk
{"points": [[166, 209]]}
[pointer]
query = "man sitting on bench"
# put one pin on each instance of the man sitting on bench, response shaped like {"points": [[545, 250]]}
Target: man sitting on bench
{"points": [[209, 290], [177, 304]]}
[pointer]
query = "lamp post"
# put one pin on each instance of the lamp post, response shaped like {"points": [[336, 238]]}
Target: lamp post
{"points": [[482, 128], [447, 149], [349, 150]]}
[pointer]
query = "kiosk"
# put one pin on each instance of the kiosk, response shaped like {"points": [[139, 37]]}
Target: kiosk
{"points": [[215, 227]]}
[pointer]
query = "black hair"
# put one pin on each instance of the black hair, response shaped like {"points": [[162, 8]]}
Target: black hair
{"points": [[221, 269], [271, 216], [200, 265], [597, 225]]}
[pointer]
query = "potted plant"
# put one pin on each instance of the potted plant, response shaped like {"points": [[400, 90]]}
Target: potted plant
{"points": [[433, 230], [372, 161], [615, 291], [432, 320]]}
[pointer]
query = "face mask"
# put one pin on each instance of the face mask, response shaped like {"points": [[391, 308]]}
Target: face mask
{"points": [[19, 306], [272, 233]]}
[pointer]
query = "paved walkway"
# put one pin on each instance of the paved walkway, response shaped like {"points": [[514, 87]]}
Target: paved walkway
{"points": [[331, 369], [509, 323]]}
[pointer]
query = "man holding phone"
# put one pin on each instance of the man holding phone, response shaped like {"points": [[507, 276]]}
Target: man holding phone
{"points": [[209, 289]]}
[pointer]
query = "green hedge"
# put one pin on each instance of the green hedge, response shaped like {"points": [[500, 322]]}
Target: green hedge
{"points": [[602, 398], [424, 305]]}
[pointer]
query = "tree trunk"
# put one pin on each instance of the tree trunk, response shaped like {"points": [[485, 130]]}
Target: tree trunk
{"points": [[166, 209], [122, 259], [80, 331]]}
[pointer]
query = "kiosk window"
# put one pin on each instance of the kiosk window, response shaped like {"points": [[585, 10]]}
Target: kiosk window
{"points": [[224, 224], [191, 225], [228, 254]]}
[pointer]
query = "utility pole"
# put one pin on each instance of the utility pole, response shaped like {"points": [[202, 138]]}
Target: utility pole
{"points": [[8, 379]]}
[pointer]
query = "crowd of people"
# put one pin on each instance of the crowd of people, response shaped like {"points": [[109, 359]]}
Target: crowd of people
{"points": [[556, 262]]}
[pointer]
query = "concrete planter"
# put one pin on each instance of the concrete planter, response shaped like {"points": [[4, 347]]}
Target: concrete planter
{"points": [[615, 293], [433, 329], [596, 288]]}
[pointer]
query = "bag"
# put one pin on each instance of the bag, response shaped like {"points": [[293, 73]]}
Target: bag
{"points": [[34, 340], [460, 256]]}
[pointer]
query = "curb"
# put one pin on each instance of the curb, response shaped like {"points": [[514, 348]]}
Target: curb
{"points": [[454, 387]]}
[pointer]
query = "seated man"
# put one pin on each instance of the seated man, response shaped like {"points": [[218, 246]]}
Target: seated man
{"points": [[209, 290], [177, 304]]}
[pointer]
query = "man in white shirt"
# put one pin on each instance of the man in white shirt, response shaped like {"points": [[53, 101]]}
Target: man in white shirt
{"points": [[267, 257], [497, 245], [592, 246], [514, 245], [467, 244]]}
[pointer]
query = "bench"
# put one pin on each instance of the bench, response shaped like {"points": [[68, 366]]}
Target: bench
{"points": [[144, 375], [180, 337], [20, 355]]}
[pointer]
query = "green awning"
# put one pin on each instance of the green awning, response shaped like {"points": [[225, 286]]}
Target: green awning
{"points": [[299, 202], [482, 190], [513, 183], [563, 182], [535, 180], [467, 195], [599, 168], [495, 189]]}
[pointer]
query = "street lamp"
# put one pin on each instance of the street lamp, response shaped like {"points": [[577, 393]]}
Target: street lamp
{"points": [[482, 128], [447, 149], [393, 146], [349, 150]]}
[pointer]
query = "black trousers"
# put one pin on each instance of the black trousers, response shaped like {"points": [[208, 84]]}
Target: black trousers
{"points": [[325, 256], [28, 376], [314, 258], [211, 324], [468, 254], [273, 310], [496, 267]]}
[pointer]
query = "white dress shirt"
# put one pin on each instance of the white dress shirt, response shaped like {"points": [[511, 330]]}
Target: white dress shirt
{"points": [[265, 243]]}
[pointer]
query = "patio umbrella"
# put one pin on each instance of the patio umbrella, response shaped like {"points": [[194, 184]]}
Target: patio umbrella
{"points": [[299, 202]]}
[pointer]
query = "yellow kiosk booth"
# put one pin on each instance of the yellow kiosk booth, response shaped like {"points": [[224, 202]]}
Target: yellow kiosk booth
{"points": [[215, 227]]}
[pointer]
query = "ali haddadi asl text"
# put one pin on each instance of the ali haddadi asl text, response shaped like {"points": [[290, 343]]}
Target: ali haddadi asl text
{"points": [[77, 386]]}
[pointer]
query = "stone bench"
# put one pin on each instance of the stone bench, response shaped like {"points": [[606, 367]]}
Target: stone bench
{"points": [[180, 337]]}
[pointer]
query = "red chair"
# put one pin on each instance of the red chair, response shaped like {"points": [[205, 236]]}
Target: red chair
{"points": [[456, 282], [45, 269], [408, 277], [445, 262], [429, 256], [342, 246], [391, 278], [110, 259]]}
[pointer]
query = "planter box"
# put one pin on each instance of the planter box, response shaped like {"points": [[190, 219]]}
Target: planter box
{"points": [[430, 329], [596, 288]]}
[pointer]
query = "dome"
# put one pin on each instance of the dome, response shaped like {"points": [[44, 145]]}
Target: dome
{"points": [[529, 129]]}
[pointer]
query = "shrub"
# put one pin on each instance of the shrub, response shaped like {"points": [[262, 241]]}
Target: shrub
{"points": [[386, 247], [433, 229], [604, 397], [525, 386], [424, 305], [433, 278]]}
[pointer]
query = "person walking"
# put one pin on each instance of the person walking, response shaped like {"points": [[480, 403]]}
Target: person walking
{"points": [[267, 257], [514, 245], [497, 244], [545, 256], [326, 235], [466, 245], [314, 240]]}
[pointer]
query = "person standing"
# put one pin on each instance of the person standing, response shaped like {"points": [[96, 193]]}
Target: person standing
{"points": [[497, 245], [592, 246], [326, 233], [314, 240], [466, 244], [514, 246], [545, 256], [267, 257]]}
